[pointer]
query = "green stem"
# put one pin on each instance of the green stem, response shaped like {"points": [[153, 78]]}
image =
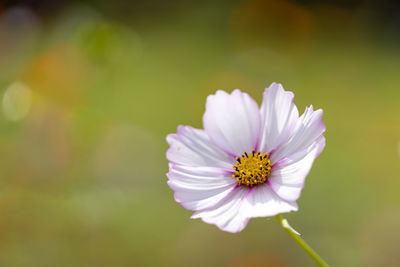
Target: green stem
{"points": [[296, 236]]}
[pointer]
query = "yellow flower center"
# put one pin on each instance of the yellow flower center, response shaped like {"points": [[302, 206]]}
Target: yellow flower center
{"points": [[252, 169]]}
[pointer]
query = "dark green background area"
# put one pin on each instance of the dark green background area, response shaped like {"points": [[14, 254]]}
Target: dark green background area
{"points": [[82, 174]]}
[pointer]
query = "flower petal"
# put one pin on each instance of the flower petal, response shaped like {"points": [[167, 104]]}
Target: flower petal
{"points": [[288, 176], [278, 115], [232, 121], [199, 187], [262, 201], [227, 214], [309, 128], [192, 147]]}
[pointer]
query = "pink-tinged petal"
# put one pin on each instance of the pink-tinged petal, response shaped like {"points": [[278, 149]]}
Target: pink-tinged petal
{"points": [[192, 147], [309, 128], [227, 214], [288, 176], [262, 201], [278, 115], [199, 187], [232, 121]]}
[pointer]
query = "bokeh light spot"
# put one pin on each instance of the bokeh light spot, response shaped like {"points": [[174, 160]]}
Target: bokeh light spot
{"points": [[17, 101]]}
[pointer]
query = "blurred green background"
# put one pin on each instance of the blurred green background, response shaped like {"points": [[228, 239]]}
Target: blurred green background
{"points": [[90, 89]]}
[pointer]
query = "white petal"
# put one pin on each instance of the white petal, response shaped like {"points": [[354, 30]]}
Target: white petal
{"points": [[232, 121], [278, 115], [308, 130], [199, 187], [192, 147], [227, 214], [288, 176], [262, 201]]}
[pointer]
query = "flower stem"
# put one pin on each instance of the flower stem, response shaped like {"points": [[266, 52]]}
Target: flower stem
{"points": [[296, 236]]}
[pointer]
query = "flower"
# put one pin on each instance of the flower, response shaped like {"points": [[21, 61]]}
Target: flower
{"points": [[248, 161]]}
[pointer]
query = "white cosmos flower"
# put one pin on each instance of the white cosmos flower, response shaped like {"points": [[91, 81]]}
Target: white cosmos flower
{"points": [[248, 161]]}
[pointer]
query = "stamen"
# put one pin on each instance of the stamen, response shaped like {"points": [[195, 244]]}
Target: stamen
{"points": [[252, 169]]}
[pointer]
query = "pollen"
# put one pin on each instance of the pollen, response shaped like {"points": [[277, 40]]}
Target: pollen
{"points": [[252, 169]]}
